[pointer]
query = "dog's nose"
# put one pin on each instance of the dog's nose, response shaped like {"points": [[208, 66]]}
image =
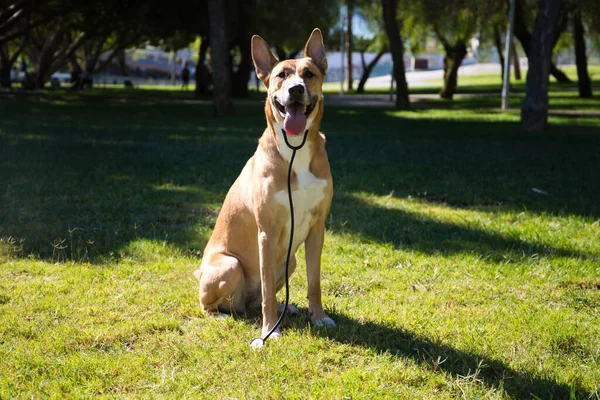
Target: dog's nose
{"points": [[296, 89]]}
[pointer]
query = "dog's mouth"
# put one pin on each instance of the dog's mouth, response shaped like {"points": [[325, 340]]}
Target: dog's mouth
{"points": [[294, 115]]}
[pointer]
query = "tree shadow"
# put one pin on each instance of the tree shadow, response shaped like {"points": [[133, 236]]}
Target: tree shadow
{"points": [[85, 181], [402, 343], [422, 233], [466, 163]]}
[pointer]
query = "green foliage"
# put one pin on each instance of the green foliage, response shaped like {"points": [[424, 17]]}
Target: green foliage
{"points": [[452, 21], [415, 32], [377, 43], [289, 24]]}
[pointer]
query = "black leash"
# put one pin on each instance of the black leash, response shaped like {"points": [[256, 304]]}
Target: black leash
{"points": [[289, 251]]}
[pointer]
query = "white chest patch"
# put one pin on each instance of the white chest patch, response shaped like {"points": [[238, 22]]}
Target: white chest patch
{"points": [[306, 197]]}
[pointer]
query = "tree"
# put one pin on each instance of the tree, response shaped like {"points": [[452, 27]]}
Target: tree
{"points": [[350, 7], [17, 18], [371, 14], [524, 37], [286, 24], [516, 62], [455, 52], [378, 44], [390, 14], [8, 56], [583, 78], [50, 50], [203, 76], [246, 13], [534, 112], [497, 33], [74, 32], [219, 58], [454, 23]]}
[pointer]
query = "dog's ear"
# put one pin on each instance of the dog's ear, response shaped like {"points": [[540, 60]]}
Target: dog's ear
{"points": [[263, 58], [315, 49]]}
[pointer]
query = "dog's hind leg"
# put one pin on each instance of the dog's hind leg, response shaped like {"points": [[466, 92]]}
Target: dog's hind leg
{"points": [[221, 285]]}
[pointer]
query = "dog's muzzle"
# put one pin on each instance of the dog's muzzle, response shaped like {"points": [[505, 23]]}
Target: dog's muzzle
{"points": [[295, 113]]}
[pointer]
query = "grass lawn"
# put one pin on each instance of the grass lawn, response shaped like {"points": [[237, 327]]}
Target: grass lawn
{"points": [[488, 83], [461, 259]]}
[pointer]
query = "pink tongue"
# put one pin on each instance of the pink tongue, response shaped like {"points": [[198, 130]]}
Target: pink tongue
{"points": [[295, 120]]}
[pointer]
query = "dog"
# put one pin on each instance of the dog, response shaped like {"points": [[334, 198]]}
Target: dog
{"points": [[243, 264]]}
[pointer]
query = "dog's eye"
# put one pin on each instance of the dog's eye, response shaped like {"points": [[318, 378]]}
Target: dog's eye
{"points": [[281, 74], [308, 74]]}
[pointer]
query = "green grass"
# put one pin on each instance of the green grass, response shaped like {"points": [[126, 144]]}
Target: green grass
{"points": [[448, 275], [492, 83]]}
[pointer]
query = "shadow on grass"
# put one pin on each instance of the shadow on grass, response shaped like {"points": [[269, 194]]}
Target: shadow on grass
{"points": [[85, 181], [444, 358], [104, 175], [406, 230], [466, 163]]}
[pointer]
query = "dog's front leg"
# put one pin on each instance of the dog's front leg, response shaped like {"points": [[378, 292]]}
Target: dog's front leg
{"points": [[266, 244], [313, 247]]}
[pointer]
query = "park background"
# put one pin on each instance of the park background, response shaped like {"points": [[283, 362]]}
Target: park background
{"points": [[462, 250]]}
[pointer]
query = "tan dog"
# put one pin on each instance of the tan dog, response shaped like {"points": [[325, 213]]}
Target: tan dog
{"points": [[244, 261]]}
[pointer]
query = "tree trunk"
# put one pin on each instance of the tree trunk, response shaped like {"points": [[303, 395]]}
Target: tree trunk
{"points": [[516, 62], [561, 26], [284, 55], [219, 58], [91, 54], [534, 112], [45, 59], [389, 8], [75, 70], [583, 78], [281, 54], [498, 44], [109, 59], [7, 61], [349, 16], [242, 75], [522, 33], [202, 72], [367, 69], [244, 38], [5, 67], [122, 63], [452, 60], [59, 60]]}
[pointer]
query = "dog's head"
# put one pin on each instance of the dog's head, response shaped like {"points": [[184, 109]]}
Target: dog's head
{"points": [[295, 94]]}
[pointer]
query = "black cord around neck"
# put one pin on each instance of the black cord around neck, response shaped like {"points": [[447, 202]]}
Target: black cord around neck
{"points": [[289, 251]]}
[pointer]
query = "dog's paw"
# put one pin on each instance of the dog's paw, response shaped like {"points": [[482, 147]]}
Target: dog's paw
{"points": [[258, 343], [291, 309], [275, 335], [325, 322], [217, 315]]}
